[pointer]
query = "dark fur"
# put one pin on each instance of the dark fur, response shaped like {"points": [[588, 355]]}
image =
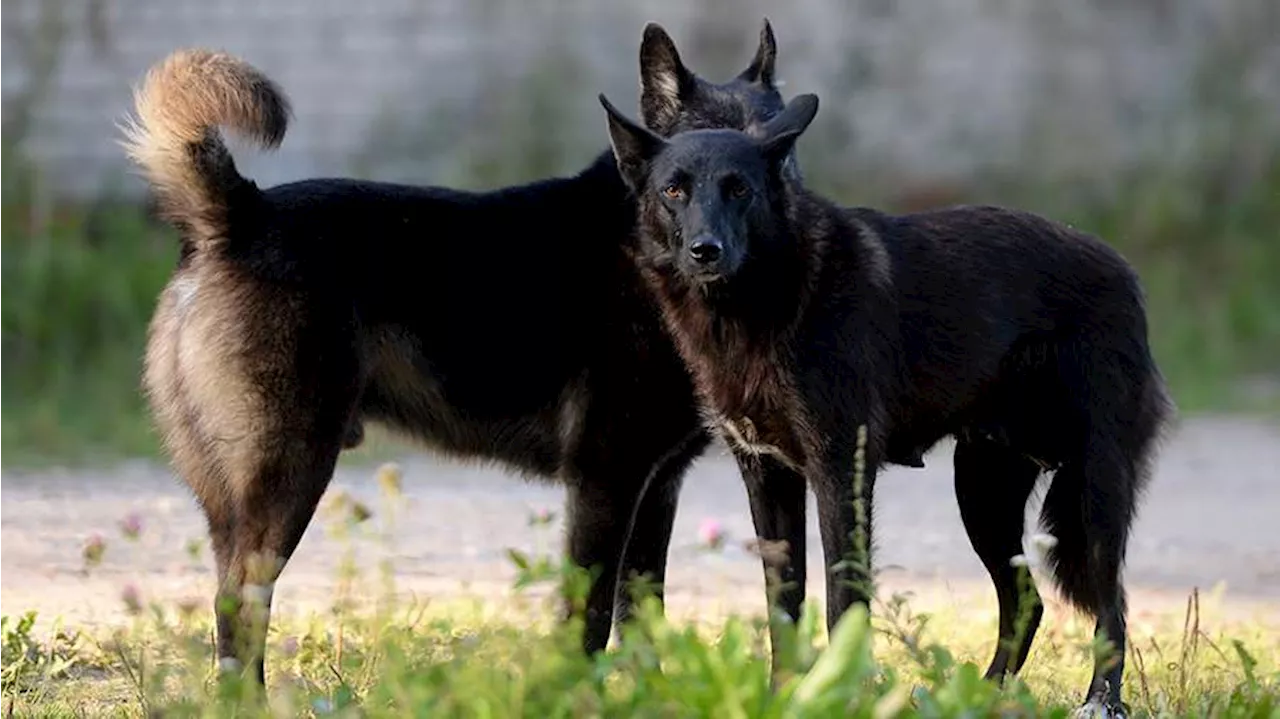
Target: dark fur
{"points": [[1024, 339], [507, 326]]}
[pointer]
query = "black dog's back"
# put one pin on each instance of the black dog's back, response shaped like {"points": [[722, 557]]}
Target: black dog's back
{"points": [[994, 307], [493, 302], [397, 249]]}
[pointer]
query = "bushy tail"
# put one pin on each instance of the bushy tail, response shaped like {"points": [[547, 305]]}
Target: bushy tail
{"points": [[174, 138], [1125, 409]]}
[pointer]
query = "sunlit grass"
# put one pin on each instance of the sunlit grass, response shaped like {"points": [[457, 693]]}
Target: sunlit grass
{"points": [[374, 652], [487, 659]]}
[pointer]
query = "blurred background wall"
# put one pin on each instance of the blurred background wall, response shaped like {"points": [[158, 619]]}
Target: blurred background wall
{"points": [[1155, 123], [417, 89]]}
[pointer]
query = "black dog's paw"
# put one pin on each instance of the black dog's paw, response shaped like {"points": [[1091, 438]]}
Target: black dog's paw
{"points": [[1094, 710], [1101, 706]]}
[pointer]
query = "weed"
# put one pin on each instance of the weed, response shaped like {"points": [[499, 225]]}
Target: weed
{"points": [[415, 658]]}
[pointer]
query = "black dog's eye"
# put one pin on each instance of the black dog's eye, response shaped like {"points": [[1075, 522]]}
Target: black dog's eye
{"points": [[673, 192], [737, 189]]}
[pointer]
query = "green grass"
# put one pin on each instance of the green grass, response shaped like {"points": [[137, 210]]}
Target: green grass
{"points": [[79, 284], [508, 660], [374, 654]]}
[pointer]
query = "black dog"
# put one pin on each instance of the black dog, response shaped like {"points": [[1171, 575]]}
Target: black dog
{"points": [[802, 321], [507, 326]]}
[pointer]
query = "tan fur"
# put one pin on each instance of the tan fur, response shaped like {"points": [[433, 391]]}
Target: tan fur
{"points": [[212, 348], [178, 107], [210, 413]]}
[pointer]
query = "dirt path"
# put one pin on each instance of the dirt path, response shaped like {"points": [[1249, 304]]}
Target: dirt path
{"points": [[1212, 515]]}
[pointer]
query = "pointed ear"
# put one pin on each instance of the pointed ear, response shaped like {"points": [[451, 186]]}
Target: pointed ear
{"points": [[796, 116], [664, 80], [777, 148], [633, 145], [761, 68], [782, 131]]}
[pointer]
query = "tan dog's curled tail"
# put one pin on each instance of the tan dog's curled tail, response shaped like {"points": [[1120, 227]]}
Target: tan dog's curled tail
{"points": [[174, 137]]}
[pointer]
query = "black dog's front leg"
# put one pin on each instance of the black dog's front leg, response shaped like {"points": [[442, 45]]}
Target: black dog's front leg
{"points": [[777, 496], [844, 520]]}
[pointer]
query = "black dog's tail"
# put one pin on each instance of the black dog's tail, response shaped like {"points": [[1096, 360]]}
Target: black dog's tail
{"points": [[174, 136], [1122, 407]]}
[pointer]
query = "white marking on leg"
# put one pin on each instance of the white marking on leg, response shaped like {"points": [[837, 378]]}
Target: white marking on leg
{"points": [[229, 665], [1097, 707], [258, 593], [1093, 709]]}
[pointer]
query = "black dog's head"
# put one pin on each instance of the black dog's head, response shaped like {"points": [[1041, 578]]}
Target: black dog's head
{"points": [[673, 99], [708, 198]]}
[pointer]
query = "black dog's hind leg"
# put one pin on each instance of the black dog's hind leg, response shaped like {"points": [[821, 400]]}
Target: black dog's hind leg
{"points": [[598, 514], [992, 484], [274, 477], [1090, 520], [609, 473], [1120, 404], [777, 497], [644, 559]]}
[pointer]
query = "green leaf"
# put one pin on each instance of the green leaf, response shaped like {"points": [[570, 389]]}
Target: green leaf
{"points": [[520, 559]]}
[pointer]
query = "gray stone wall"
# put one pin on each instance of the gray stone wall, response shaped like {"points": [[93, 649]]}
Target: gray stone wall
{"points": [[477, 92]]}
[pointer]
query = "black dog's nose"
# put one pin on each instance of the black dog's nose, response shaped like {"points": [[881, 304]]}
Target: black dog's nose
{"points": [[705, 250]]}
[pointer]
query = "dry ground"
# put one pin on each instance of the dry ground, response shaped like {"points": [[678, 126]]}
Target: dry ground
{"points": [[1212, 516]]}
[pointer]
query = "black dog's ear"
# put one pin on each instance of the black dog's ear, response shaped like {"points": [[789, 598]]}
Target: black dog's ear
{"points": [[633, 145], [796, 116], [664, 80], [782, 131], [761, 68]]}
